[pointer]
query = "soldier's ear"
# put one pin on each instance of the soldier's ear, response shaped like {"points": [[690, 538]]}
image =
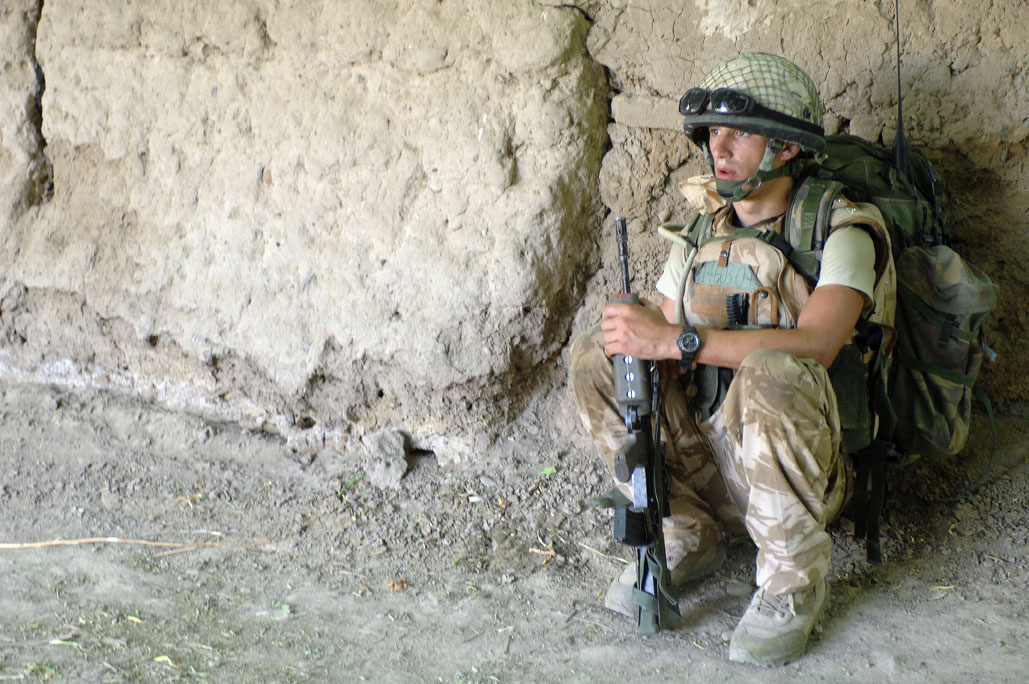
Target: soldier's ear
{"points": [[789, 151]]}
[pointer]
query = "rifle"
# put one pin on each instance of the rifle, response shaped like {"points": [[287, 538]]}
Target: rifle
{"points": [[641, 463]]}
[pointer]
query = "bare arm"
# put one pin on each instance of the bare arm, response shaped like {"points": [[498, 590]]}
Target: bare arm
{"points": [[822, 328]]}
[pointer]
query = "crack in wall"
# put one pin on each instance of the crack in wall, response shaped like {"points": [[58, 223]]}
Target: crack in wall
{"points": [[40, 189], [580, 10]]}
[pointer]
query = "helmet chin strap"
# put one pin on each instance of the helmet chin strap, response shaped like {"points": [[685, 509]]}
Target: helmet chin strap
{"points": [[736, 190]]}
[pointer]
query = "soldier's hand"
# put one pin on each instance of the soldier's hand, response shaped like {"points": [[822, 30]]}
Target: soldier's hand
{"points": [[639, 330]]}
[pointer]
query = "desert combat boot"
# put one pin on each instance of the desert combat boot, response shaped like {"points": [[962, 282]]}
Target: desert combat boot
{"points": [[775, 628]]}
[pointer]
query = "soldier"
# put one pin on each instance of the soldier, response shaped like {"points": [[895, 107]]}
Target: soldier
{"points": [[745, 342]]}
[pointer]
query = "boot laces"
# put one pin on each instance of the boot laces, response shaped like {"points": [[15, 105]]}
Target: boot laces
{"points": [[774, 605]]}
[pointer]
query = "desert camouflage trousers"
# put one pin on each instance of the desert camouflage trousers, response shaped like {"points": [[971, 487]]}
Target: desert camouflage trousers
{"points": [[766, 462]]}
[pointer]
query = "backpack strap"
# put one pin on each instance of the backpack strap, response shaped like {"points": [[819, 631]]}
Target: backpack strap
{"points": [[870, 466], [807, 263], [807, 224], [808, 214], [870, 497]]}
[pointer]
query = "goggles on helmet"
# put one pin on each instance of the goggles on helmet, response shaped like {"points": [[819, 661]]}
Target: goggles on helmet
{"points": [[723, 100], [731, 102], [702, 107]]}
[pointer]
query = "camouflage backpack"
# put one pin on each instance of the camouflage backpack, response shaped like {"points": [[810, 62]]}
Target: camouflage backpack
{"points": [[922, 392]]}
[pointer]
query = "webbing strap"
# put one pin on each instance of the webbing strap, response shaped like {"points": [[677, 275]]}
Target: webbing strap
{"points": [[952, 330], [880, 395], [659, 610], [933, 369], [870, 497], [807, 265], [700, 226]]}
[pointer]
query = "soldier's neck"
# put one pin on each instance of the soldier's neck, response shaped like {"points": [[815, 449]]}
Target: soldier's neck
{"points": [[768, 201]]}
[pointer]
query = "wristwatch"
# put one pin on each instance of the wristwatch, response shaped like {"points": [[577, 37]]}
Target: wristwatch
{"points": [[689, 345]]}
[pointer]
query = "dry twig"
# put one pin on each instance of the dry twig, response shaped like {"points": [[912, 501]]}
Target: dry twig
{"points": [[178, 547], [601, 553]]}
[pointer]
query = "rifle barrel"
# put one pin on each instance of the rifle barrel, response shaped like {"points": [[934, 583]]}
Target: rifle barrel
{"points": [[622, 236]]}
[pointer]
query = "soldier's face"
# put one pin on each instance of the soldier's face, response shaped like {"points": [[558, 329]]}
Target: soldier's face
{"points": [[737, 154]]}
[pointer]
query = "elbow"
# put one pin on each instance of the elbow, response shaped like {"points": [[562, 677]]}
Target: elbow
{"points": [[824, 346], [825, 357]]}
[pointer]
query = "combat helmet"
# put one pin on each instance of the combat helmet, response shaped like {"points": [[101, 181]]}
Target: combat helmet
{"points": [[759, 93]]}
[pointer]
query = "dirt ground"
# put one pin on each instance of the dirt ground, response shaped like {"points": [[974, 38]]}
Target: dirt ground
{"points": [[282, 567]]}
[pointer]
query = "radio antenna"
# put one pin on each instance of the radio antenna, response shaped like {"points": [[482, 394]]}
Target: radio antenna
{"points": [[900, 143]]}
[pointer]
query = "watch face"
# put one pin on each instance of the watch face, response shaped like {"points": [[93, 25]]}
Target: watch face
{"points": [[689, 342]]}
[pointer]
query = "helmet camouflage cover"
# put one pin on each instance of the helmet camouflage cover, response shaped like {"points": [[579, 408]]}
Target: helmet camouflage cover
{"points": [[787, 104]]}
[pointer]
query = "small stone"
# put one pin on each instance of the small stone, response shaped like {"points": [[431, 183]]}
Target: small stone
{"points": [[385, 458]]}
